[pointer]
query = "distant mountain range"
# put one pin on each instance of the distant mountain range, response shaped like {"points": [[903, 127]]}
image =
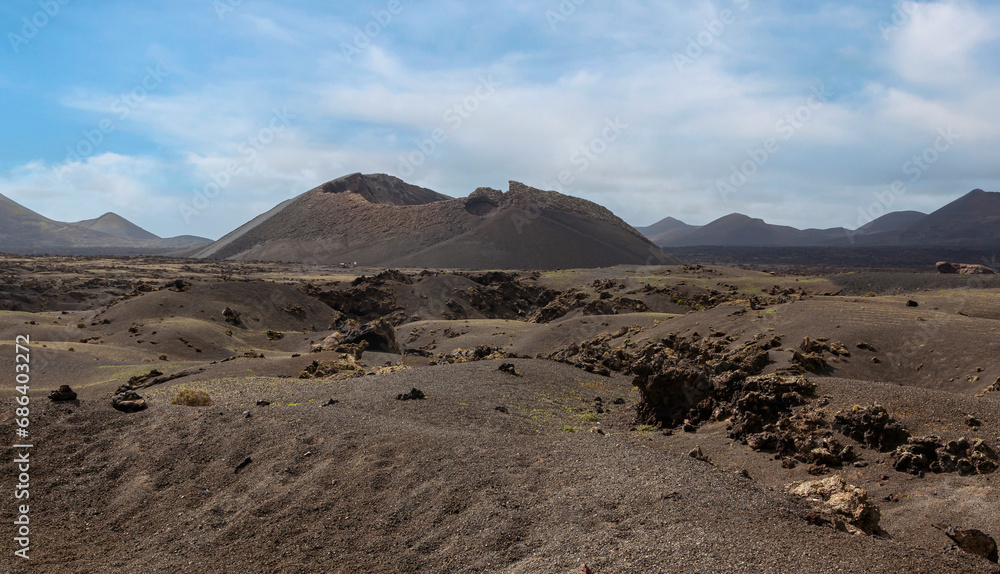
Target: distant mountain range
{"points": [[24, 231], [380, 220], [665, 230], [972, 220], [114, 224]]}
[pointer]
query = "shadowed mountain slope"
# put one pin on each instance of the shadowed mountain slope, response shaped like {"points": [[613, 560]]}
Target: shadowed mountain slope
{"points": [[892, 221], [973, 219]]}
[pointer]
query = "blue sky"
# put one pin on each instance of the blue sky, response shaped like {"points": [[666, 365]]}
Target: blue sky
{"points": [[194, 116]]}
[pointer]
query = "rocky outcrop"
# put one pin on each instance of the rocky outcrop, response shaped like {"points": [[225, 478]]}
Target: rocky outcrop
{"points": [[699, 380], [809, 357], [64, 393], [128, 402], [972, 541], [367, 299], [964, 268], [614, 305], [380, 336], [871, 426], [479, 353], [932, 454], [345, 367], [600, 354], [335, 342], [232, 316], [840, 505], [502, 295]]}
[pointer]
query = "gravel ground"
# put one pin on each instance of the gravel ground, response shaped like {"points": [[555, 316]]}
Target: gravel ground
{"points": [[491, 472]]}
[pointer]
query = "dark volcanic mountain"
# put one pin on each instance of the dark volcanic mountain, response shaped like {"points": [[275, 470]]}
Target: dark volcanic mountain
{"points": [[973, 219], [25, 231], [114, 224], [739, 229], [892, 221], [381, 220], [666, 230]]}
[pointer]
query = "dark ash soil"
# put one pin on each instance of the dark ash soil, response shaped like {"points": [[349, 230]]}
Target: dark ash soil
{"points": [[541, 466]]}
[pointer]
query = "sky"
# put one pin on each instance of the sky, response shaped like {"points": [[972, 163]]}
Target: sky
{"points": [[194, 116]]}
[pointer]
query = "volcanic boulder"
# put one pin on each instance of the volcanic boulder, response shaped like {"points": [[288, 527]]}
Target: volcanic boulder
{"points": [[845, 506], [128, 402], [973, 541], [65, 393], [413, 395], [232, 316]]}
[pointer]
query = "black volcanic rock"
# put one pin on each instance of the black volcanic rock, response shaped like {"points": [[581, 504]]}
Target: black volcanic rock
{"points": [[64, 393]]}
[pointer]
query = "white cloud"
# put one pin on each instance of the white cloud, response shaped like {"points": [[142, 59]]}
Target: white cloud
{"points": [[267, 27], [939, 45], [105, 182], [686, 128]]}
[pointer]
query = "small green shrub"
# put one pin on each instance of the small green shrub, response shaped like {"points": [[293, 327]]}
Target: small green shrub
{"points": [[192, 398]]}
